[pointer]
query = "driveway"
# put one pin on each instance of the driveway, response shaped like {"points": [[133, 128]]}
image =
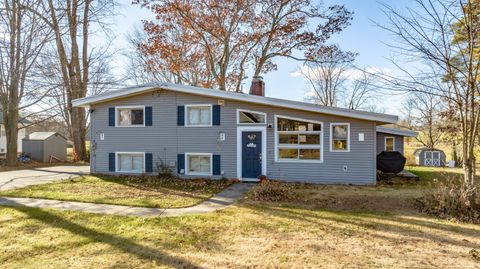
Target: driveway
{"points": [[35, 176]]}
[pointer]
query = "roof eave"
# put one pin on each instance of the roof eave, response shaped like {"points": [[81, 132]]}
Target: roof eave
{"points": [[376, 117]]}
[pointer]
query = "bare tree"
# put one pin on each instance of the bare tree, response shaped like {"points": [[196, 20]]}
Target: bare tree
{"points": [[442, 38], [426, 109], [71, 21], [23, 35], [361, 92], [326, 74]]}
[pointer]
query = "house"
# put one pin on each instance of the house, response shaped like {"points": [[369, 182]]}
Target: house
{"points": [[3, 137], [210, 133], [392, 139]]}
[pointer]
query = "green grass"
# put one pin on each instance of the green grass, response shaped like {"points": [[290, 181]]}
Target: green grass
{"points": [[131, 191]]}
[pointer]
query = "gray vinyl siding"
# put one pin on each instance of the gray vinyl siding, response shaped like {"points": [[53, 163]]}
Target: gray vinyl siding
{"points": [[165, 139], [399, 142]]}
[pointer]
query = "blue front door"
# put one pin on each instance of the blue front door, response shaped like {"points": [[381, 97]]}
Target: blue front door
{"points": [[251, 154]]}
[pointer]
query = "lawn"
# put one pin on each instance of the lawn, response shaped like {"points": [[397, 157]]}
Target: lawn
{"points": [[131, 191], [330, 226]]}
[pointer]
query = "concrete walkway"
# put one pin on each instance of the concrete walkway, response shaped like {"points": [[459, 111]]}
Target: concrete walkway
{"points": [[34, 176], [220, 201]]}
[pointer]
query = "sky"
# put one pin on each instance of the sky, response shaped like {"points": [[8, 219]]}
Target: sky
{"points": [[362, 36]]}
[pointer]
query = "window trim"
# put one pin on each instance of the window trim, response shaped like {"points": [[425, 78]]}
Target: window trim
{"points": [[187, 165], [251, 111], [298, 146], [117, 166], [117, 108], [332, 124], [385, 142], [198, 105]]}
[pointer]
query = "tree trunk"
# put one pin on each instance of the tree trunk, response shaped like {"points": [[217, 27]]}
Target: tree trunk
{"points": [[11, 132], [79, 131]]}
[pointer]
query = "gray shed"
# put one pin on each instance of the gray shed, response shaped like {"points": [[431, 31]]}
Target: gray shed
{"points": [[430, 157], [45, 146]]}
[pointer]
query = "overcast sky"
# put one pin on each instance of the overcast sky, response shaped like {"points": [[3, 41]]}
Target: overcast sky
{"points": [[363, 37]]}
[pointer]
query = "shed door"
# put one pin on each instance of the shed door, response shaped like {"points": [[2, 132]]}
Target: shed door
{"points": [[432, 158]]}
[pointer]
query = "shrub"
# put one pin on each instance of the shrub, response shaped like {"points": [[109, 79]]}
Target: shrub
{"points": [[164, 170], [273, 191], [451, 198]]}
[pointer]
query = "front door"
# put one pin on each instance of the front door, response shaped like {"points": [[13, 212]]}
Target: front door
{"points": [[251, 154]]}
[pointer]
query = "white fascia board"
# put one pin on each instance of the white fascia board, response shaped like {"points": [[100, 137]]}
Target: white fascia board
{"points": [[396, 131], [378, 117]]}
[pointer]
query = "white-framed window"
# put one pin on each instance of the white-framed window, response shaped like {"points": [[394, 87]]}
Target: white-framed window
{"points": [[339, 137], [198, 115], [130, 116], [298, 140], [199, 164], [130, 162], [251, 117], [389, 143]]}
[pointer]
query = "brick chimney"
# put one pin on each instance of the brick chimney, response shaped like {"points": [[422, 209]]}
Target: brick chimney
{"points": [[258, 86]]}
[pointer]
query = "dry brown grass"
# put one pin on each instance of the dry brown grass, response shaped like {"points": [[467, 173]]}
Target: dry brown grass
{"points": [[330, 227]]}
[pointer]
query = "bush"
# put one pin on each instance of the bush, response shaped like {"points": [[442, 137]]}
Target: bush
{"points": [[273, 191], [451, 198], [164, 170]]}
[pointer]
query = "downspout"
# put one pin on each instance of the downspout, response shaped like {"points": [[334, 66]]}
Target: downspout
{"points": [[93, 143], [374, 153]]}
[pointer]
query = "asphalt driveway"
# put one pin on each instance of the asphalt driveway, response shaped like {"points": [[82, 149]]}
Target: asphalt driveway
{"points": [[35, 176]]}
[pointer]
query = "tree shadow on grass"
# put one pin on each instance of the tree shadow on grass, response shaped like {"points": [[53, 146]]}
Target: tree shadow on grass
{"points": [[388, 223], [123, 244]]}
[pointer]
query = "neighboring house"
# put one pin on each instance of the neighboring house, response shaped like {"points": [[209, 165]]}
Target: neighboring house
{"points": [[3, 137], [210, 133], [392, 139]]}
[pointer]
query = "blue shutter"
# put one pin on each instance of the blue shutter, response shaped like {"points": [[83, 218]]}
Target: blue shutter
{"points": [[111, 162], [148, 116], [181, 115], [148, 162], [180, 162], [216, 165], [216, 115], [111, 116]]}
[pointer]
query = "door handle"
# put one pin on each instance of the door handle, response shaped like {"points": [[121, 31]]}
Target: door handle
{"points": [[260, 156]]}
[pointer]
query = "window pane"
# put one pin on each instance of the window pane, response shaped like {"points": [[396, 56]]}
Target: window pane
{"points": [[389, 144], [295, 125], [199, 164], [288, 139], [124, 116], [309, 139], [340, 144], [137, 116], [340, 131], [309, 154], [198, 115], [250, 117], [287, 153], [130, 162]]}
